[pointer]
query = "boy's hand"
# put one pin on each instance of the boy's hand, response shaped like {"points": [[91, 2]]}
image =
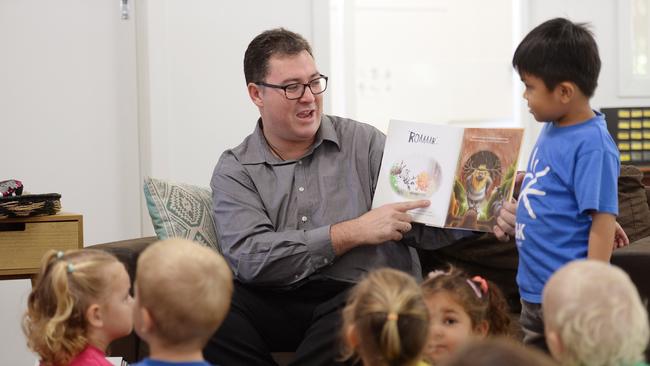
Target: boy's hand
{"points": [[505, 227], [620, 238]]}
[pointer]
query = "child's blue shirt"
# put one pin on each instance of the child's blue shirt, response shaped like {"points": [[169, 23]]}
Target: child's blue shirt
{"points": [[572, 172]]}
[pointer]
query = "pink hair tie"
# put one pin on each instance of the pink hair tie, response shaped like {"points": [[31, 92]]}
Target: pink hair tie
{"points": [[482, 282]]}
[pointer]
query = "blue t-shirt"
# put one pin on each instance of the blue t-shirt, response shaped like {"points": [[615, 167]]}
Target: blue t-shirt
{"points": [[572, 172], [152, 362]]}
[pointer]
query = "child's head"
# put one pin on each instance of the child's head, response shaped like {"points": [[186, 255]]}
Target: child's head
{"points": [[183, 293], [461, 308], [385, 321], [498, 352], [80, 297], [558, 61], [593, 315]]}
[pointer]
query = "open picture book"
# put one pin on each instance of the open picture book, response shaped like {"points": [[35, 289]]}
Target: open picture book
{"points": [[466, 173]]}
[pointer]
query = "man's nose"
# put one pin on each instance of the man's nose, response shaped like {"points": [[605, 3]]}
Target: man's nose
{"points": [[307, 96]]}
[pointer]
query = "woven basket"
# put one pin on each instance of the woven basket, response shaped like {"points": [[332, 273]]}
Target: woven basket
{"points": [[30, 205]]}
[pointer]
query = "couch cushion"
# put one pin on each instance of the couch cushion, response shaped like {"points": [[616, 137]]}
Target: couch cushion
{"points": [[634, 214], [181, 210]]}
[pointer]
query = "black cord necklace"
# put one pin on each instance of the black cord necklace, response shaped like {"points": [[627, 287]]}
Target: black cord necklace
{"points": [[274, 150]]}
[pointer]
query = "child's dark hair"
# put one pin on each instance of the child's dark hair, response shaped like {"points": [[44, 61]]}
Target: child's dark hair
{"points": [[559, 50], [481, 299], [389, 317]]}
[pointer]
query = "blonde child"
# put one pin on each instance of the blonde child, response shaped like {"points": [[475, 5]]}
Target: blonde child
{"points": [[593, 315], [79, 304], [385, 321], [461, 308], [182, 294]]}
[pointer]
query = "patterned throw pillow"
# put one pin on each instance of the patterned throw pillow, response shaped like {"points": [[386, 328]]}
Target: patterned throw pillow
{"points": [[181, 210]]}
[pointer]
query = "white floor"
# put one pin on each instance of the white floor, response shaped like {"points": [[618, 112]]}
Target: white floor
{"points": [[13, 300]]}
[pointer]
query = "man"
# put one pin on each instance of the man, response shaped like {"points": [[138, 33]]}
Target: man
{"points": [[292, 209]]}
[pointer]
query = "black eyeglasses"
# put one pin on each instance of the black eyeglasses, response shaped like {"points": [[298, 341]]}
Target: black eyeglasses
{"points": [[297, 90]]}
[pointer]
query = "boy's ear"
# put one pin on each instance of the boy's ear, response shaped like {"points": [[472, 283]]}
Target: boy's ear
{"points": [[255, 92], [555, 344], [94, 316], [565, 91], [147, 323]]}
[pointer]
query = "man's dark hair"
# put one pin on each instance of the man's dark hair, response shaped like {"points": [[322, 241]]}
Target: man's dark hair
{"points": [[559, 50], [277, 41]]}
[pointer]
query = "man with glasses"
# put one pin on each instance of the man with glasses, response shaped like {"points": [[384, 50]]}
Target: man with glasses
{"points": [[292, 209]]}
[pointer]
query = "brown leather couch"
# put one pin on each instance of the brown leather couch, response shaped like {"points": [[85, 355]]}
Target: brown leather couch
{"points": [[492, 259]]}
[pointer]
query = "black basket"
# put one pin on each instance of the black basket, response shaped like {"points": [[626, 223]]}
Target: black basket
{"points": [[30, 205]]}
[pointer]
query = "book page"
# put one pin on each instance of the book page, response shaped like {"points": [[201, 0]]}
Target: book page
{"points": [[485, 176], [419, 163]]}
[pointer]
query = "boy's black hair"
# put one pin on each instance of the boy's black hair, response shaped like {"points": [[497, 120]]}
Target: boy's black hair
{"points": [[559, 50]]}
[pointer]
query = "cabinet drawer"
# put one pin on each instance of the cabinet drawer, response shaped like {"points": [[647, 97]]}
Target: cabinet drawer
{"points": [[22, 245]]}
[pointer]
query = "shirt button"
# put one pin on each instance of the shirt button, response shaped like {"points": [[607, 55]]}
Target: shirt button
{"points": [[300, 162], [301, 189], [303, 219], [325, 260]]}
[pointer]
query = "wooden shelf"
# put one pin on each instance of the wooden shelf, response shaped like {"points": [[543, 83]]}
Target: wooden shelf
{"points": [[24, 241]]}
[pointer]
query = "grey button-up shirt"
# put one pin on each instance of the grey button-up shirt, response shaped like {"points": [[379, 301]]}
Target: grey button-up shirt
{"points": [[273, 217]]}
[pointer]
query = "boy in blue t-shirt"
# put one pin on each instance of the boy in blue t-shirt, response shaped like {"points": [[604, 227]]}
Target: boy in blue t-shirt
{"points": [[182, 294], [568, 199]]}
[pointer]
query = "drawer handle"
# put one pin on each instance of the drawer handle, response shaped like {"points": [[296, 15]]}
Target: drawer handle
{"points": [[12, 226]]}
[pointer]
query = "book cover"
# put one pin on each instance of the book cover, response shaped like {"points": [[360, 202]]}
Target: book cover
{"points": [[466, 173]]}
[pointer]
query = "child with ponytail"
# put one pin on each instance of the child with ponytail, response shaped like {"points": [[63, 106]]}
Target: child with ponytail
{"points": [[461, 308], [79, 304], [385, 321]]}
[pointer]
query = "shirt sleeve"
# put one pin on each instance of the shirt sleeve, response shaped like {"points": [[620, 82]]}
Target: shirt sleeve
{"points": [[248, 239], [595, 182]]}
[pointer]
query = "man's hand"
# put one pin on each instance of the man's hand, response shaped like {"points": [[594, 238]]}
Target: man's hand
{"points": [[388, 222], [620, 237]]}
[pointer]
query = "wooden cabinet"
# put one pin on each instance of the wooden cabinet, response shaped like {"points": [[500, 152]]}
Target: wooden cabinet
{"points": [[23, 241]]}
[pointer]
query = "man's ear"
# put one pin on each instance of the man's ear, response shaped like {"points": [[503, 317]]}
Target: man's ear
{"points": [[94, 316], [565, 91], [255, 94]]}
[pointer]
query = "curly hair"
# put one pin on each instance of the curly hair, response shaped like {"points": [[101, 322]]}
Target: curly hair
{"points": [[487, 304], [597, 313], [388, 313], [55, 323]]}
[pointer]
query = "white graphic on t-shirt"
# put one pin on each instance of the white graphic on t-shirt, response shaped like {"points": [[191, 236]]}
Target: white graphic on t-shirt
{"points": [[528, 189], [519, 232]]}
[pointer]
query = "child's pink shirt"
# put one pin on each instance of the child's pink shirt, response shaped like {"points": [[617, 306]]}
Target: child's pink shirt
{"points": [[90, 356]]}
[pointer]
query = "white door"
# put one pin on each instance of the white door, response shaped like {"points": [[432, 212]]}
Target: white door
{"points": [[68, 124]]}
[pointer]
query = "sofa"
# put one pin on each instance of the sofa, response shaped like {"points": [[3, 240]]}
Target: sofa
{"points": [[185, 210]]}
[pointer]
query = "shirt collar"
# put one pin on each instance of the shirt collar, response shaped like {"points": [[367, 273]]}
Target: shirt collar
{"points": [[255, 150]]}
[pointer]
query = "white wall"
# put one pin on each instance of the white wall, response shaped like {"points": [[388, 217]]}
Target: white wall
{"points": [[68, 124], [198, 104]]}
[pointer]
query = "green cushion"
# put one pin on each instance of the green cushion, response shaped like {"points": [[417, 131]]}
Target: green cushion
{"points": [[181, 210]]}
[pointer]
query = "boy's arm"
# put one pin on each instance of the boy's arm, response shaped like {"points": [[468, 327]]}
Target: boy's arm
{"points": [[601, 236]]}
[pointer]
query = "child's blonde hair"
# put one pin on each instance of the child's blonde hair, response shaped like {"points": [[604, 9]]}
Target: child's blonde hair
{"points": [[481, 299], [67, 284], [596, 311], [387, 311], [186, 288]]}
